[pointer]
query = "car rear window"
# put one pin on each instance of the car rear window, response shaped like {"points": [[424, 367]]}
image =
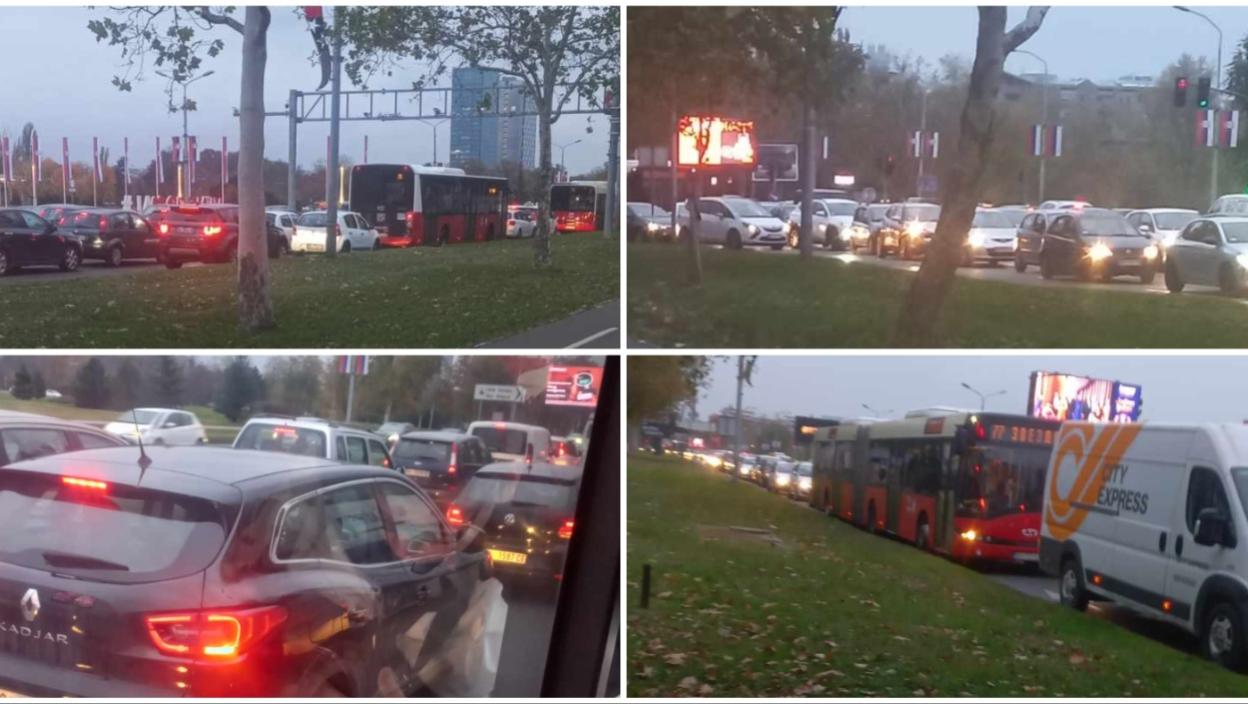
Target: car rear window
{"points": [[90, 531], [313, 220], [518, 489], [509, 442], [413, 449], [274, 437], [194, 215]]}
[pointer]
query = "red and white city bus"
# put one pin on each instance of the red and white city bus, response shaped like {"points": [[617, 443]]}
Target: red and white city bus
{"points": [[578, 206], [428, 205], [968, 485]]}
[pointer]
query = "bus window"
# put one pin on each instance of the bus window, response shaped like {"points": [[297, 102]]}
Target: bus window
{"points": [[1001, 479]]}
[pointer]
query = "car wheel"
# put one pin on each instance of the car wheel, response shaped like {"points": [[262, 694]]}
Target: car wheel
{"points": [[1046, 265], [172, 262], [777, 247], [377, 243], [1227, 280], [1174, 283], [734, 239], [1222, 636], [70, 259], [1107, 275], [1148, 275], [346, 246], [4, 262], [1019, 265], [1070, 585], [904, 253], [114, 256]]}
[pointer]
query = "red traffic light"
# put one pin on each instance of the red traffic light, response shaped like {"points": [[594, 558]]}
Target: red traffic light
{"points": [[1181, 83]]}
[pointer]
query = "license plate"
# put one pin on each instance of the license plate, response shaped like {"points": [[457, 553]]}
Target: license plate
{"points": [[515, 558], [421, 473], [1026, 557], [186, 230], [1128, 262], [316, 248]]}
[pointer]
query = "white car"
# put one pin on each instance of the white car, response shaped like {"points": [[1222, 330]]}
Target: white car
{"points": [[991, 239], [833, 222], [513, 442], [158, 426], [1064, 204], [283, 220], [353, 232], [1231, 204], [734, 222], [1210, 251], [1163, 225], [521, 222], [313, 437]]}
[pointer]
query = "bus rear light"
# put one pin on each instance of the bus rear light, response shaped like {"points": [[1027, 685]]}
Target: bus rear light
{"points": [[1096, 579], [80, 483], [454, 515], [1167, 605], [213, 634], [565, 530]]}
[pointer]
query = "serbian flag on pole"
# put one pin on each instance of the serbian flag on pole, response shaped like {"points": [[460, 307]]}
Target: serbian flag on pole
{"points": [[95, 155], [175, 149], [1228, 132], [1046, 140], [933, 144], [192, 156], [35, 164], [1206, 134], [64, 164], [160, 166], [353, 364], [916, 144]]}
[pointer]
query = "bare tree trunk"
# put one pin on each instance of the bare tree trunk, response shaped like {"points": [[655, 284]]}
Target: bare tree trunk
{"points": [[805, 237], [255, 308], [695, 227], [545, 223], [920, 319]]}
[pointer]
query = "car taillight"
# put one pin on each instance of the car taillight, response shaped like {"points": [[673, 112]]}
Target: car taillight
{"points": [[453, 468], [80, 483], [103, 224], [454, 515], [163, 228], [565, 530], [213, 634], [212, 230], [511, 223]]}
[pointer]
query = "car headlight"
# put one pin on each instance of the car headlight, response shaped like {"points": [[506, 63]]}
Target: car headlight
{"points": [[782, 480], [845, 235], [1151, 251], [1014, 244], [1243, 260], [914, 229], [975, 239], [804, 483], [1099, 251], [752, 229], [652, 226]]}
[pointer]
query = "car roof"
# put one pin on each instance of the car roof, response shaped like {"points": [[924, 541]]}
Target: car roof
{"points": [[307, 422], [1163, 210], [1237, 218], [21, 418], [438, 435], [543, 470], [505, 424]]}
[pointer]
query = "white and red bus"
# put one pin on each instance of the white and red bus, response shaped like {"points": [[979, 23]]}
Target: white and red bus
{"points": [[968, 485], [428, 205], [578, 206]]}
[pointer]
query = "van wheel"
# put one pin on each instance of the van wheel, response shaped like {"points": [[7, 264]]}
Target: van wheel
{"points": [[1174, 283], [1222, 636], [1020, 265], [1071, 590], [734, 239]]}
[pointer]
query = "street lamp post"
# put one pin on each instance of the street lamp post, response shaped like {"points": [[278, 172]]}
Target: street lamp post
{"points": [[983, 398], [562, 149], [1044, 112], [186, 146], [1213, 177], [435, 123]]}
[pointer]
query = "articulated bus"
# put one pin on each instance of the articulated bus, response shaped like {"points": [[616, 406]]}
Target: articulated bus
{"points": [[579, 206], [968, 485], [428, 205]]}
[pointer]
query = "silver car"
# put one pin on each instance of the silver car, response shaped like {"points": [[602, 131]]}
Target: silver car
{"points": [[1210, 251], [833, 220], [734, 222], [992, 238]]}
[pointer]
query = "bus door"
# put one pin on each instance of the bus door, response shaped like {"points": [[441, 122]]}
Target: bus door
{"points": [[895, 470], [600, 211], [852, 489]]}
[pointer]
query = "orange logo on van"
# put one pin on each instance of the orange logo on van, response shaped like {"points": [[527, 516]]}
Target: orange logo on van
{"points": [[1094, 451]]}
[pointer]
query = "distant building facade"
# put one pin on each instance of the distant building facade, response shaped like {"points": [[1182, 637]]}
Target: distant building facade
{"points": [[481, 99]]}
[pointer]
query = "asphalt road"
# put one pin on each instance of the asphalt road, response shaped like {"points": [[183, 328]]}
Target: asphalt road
{"points": [[592, 328], [91, 268], [526, 640]]}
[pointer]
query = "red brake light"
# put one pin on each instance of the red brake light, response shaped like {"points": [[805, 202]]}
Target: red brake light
{"points": [[453, 468], [212, 230], [103, 224], [565, 530], [983, 505], [81, 483], [454, 515], [163, 228], [980, 432], [218, 634]]}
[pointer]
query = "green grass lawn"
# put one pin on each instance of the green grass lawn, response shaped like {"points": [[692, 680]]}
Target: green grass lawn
{"points": [[837, 612], [455, 296], [223, 431], [748, 300]]}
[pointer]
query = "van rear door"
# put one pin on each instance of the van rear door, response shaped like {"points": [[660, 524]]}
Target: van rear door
{"points": [[1190, 564]]}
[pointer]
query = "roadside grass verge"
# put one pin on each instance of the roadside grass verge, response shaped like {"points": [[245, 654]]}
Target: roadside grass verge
{"points": [[456, 296], [222, 429], [837, 612], [748, 300]]}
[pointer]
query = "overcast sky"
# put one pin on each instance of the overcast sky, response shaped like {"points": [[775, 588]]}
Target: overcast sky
{"points": [[1175, 389], [1100, 43], [59, 78]]}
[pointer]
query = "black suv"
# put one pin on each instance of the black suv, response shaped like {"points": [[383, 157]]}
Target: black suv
{"points": [[112, 234], [28, 240], [206, 233], [214, 572], [1087, 243], [440, 462]]}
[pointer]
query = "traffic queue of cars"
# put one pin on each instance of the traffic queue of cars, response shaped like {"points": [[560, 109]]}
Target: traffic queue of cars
{"points": [[776, 472], [298, 562]]}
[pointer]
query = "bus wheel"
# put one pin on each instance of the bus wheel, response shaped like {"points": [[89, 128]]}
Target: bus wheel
{"points": [[1072, 593], [1222, 636], [871, 517], [923, 534]]}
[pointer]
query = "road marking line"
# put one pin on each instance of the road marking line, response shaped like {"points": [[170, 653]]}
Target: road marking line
{"points": [[593, 337]]}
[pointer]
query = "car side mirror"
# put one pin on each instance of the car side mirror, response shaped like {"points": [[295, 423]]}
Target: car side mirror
{"points": [[1212, 528]]}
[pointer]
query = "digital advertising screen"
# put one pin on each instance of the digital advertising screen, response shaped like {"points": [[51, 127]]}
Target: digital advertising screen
{"points": [[1059, 396], [728, 142], [573, 386]]}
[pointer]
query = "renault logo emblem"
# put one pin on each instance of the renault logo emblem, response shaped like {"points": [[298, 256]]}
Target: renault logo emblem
{"points": [[510, 519], [30, 604]]}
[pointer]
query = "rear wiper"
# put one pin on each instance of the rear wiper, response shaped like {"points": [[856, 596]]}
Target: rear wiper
{"points": [[86, 562]]}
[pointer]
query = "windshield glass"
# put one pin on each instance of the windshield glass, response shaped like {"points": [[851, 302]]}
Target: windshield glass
{"points": [[1015, 217], [647, 210], [997, 480], [1173, 221], [1106, 224], [743, 208], [415, 449], [502, 440], [282, 438], [495, 489], [804, 469], [991, 218], [313, 220], [572, 198], [841, 208], [923, 213], [141, 417], [1236, 232]]}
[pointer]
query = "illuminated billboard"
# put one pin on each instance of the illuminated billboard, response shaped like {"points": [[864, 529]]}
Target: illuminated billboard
{"points": [[1057, 396], [727, 142], [573, 386]]}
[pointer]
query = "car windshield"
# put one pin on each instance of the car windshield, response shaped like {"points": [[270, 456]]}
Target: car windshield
{"points": [[313, 220], [1106, 224], [1236, 232], [840, 208], [647, 210], [1173, 221], [137, 416], [804, 469], [922, 213], [1015, 217], [991, 219], [508, 441], [1002, 479], [745, 208], [48, 524], [273, 437], [417, 449]]}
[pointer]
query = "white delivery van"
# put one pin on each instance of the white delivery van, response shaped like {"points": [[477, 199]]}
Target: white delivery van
{"points": [[1151, 517], [513, 442]]}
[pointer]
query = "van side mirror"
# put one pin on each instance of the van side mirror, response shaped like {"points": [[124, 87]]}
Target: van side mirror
{"points": [[1212, 528]]}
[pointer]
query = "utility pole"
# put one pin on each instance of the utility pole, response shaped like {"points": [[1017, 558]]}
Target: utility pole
{"points": [[922, 147], [1217, 84], [331, 167], [613, 169], [350, 395], [745, 365], [292, 149], [1044, 113]]}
